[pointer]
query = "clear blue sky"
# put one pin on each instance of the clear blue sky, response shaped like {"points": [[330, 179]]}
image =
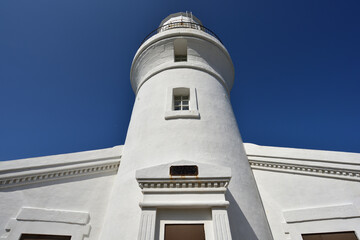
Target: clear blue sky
{"points": [[64, 70]]}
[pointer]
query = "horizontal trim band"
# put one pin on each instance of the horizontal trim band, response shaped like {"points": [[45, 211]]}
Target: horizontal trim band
{"points": [[185, 190], [183, 184], [50, 175], [185, 204], [339, 173]]}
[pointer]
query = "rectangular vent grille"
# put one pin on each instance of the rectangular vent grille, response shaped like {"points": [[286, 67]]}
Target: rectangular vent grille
{"points": [[188, 170]]}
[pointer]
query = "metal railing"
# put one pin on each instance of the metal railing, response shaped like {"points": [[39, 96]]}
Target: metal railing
{"points": [[174, 25]]}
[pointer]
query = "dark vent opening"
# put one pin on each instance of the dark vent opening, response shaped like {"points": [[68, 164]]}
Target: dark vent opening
{"points": [[188, 170]]}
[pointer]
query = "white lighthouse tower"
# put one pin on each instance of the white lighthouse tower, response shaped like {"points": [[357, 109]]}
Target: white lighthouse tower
{"points": [[184, 173]]}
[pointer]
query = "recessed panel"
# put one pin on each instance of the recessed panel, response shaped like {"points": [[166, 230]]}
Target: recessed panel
{"points": [[331, 236], [43, 237], [180, 50], [184, 232]]}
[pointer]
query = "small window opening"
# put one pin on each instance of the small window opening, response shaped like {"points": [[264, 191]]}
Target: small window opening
{"points": [[180, 50], [330, 236], [189, 170], [181, 99], [43, 237], [184, 231]]}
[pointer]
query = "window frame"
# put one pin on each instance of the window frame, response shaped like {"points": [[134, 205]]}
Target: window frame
{"points": [[207, 224], [191, 112]]}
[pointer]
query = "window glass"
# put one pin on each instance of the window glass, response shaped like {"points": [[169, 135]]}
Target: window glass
{"points": [[181, 99]]}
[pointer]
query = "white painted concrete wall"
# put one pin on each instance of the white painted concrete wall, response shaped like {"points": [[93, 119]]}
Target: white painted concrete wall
{"points": [[320, 194], [57, 195], [214, 138]]}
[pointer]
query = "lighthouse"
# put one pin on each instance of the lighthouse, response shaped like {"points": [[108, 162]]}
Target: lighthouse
{"points": [[184, 171]]}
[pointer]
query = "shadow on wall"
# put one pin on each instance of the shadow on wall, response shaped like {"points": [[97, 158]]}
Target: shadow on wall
{"points": [[239, 226]]}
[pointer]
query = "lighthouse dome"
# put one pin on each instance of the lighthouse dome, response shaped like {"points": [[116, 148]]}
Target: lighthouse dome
{"points": [[180, 17]]}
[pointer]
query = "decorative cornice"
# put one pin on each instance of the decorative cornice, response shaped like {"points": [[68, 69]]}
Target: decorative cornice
{"points": [[183, 184], [51, 174], [306, 169]]}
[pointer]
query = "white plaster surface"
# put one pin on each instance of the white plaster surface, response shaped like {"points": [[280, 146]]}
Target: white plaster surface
{"points": [[295, 203], [213, 138], [298, 202], [63, 206]]}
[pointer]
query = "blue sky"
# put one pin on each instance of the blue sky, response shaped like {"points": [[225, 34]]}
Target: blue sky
{"points": [[64, 70]]}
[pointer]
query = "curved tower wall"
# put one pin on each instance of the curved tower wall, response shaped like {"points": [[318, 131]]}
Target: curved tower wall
{"points": [[156, 135]]}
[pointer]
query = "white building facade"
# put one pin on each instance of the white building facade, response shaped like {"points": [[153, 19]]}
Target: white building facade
{"points": [[183, 172]]}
